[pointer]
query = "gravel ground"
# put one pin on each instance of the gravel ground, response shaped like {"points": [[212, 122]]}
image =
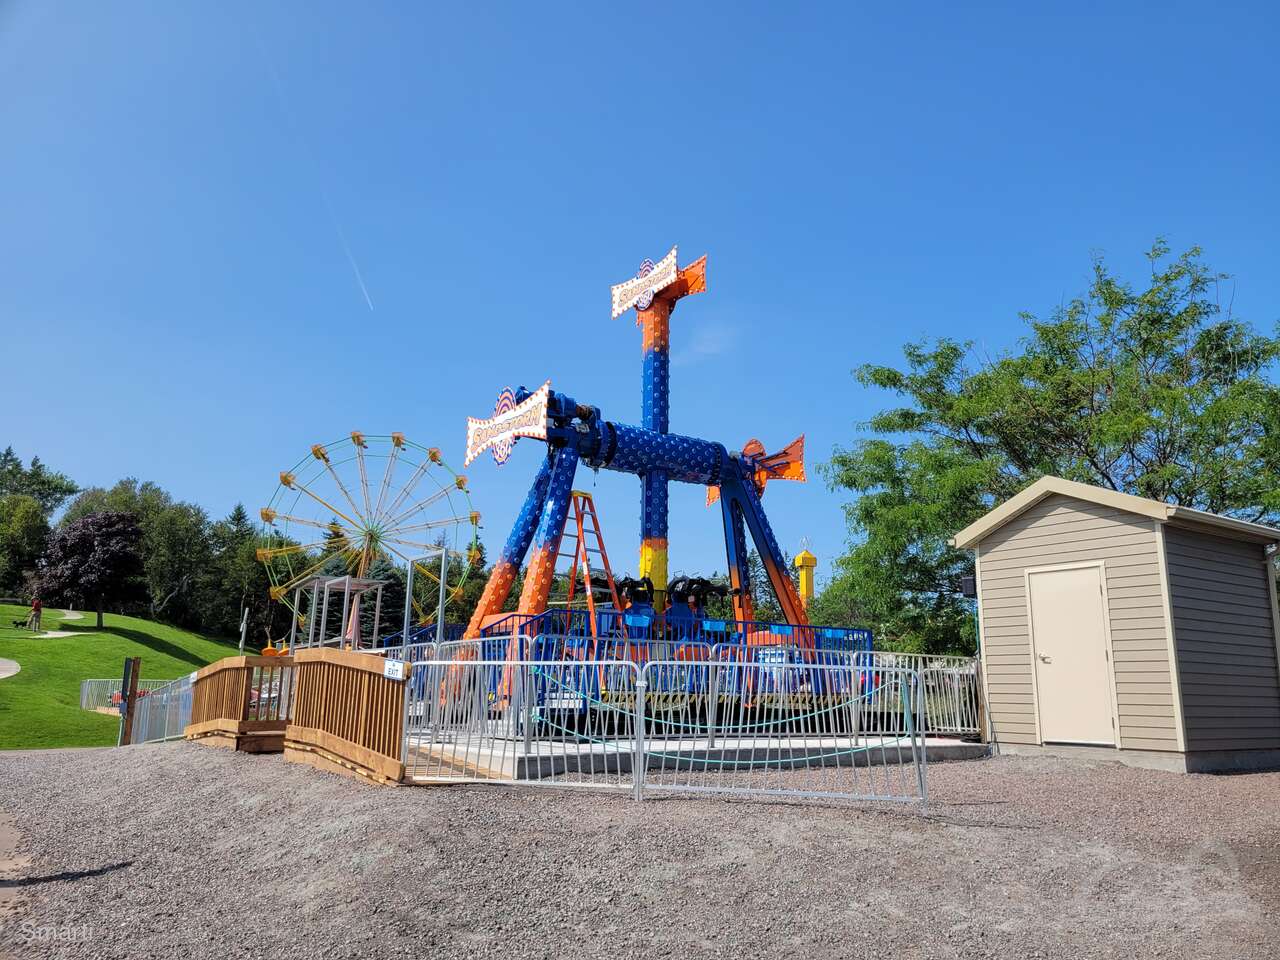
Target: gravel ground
{"points": [[187, 851]]}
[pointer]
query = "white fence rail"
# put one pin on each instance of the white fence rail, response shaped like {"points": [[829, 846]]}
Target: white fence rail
{"points": [[163, 713], [837, 730], [525, 722], [410, 653], [952, 701], [105, 694], [834, 730], [951, 691]]}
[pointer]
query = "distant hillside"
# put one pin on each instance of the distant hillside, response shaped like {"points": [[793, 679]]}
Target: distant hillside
{"points": [[40, 705]]}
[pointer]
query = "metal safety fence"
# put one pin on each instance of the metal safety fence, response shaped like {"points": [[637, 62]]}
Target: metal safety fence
{"points": [[834, 730], [411, 653], [953, 700], [950, 686], [101, 694], [584, 632], [163, 713], [537, 722], [828, 730]]}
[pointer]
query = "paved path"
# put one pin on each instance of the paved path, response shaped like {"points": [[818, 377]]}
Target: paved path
{"points": [[8, 668], [55, 634]]}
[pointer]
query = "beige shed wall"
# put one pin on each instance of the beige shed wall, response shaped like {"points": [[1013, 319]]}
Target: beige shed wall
{"points": [[1063, 530], [1225, 641]]}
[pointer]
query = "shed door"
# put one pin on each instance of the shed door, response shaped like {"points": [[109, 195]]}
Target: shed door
{"points": [[1068, 640]]}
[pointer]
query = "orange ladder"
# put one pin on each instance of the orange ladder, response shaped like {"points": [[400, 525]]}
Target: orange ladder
{"points": [[584, 528]]}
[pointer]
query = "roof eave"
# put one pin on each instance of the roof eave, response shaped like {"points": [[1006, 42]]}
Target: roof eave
{"points": [[1243, 529], [1163, 512]]}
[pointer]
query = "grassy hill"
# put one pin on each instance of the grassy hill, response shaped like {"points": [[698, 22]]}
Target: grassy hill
{"points": [[40, 706]]}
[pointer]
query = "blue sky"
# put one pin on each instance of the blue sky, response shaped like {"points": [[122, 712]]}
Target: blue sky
{"points": [[201, 203]]}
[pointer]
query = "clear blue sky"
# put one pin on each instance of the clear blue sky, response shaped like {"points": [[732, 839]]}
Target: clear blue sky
{"points": [[180, 185]]}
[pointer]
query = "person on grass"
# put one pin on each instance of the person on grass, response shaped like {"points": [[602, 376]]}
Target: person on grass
{"points": [[33, 618]]}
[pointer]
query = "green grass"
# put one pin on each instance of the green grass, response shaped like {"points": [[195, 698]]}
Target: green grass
{"points": [[40, 706]]}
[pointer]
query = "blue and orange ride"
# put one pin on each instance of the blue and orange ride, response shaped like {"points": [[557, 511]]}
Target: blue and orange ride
{"points": [[643, 629]]}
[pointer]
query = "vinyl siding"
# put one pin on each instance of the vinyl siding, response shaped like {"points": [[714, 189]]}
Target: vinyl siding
{"points": [[1062, 530], [1225, 641]]}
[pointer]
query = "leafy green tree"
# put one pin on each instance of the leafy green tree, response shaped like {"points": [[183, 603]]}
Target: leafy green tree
{"points": [[142, 500], [23, 533], [47, 487], [92, 560], [234, 579], [175, 546], [176, 552], [1152, 391]]}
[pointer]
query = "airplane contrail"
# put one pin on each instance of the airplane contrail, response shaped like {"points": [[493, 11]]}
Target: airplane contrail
{"points": [[291, 121]]}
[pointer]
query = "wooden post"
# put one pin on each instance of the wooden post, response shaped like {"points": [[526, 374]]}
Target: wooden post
{"points": [[129, 695], [246, 687]]}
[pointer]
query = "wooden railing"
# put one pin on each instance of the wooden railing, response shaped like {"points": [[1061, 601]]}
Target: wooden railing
{"points": [[346, 715], [242, 703]]}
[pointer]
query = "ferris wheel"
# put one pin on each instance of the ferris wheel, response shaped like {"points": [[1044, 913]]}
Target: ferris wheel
{"points": [[367, 506]]}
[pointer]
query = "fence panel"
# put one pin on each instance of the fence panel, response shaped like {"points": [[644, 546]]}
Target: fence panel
{"points": [[560, 723], [102, 694], [410, 653], [164, 712], [951, 698], [783, 728], [832, 730]]}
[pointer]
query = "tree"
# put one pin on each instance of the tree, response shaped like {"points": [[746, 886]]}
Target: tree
{"points": [[46, 487], [92, 560], [1150, 391], [23, 533], [175, 550], [233, 579], [142, 500], [175, 545]]}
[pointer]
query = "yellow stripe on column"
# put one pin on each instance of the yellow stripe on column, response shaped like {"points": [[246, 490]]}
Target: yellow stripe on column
{"points": [[653, 564]]}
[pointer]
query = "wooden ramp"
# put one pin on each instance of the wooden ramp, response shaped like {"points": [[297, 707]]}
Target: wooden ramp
{"points": [[444, 762]]}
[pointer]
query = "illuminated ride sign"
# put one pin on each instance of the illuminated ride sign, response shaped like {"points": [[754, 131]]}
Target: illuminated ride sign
{"points": [[509, 421], [639, 290]]}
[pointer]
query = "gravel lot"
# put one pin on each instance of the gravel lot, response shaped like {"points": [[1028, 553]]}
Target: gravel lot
{"points": [[187, 851]]}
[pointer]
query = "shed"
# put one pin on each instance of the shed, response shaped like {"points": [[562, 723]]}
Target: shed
{"points": [[1133, 629]]}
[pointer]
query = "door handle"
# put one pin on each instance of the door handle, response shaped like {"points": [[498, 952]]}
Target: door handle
{"points": [[1044, 658]]}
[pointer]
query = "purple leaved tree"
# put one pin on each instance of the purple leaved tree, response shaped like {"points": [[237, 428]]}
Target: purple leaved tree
{"points": [[93, 560]]}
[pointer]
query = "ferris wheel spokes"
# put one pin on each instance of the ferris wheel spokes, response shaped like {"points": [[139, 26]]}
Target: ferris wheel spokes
{"points": [[397, 442], [358, 439], [433, 457], [374, 533], [417, 505], [291, 482], [320, 453]]}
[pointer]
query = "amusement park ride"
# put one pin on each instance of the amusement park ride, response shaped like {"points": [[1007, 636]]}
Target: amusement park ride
{"points": [[347, 512], [391, 522], [576, 433]]}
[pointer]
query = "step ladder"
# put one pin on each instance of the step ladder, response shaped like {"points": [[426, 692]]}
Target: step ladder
{"points": [[583, 529]]}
